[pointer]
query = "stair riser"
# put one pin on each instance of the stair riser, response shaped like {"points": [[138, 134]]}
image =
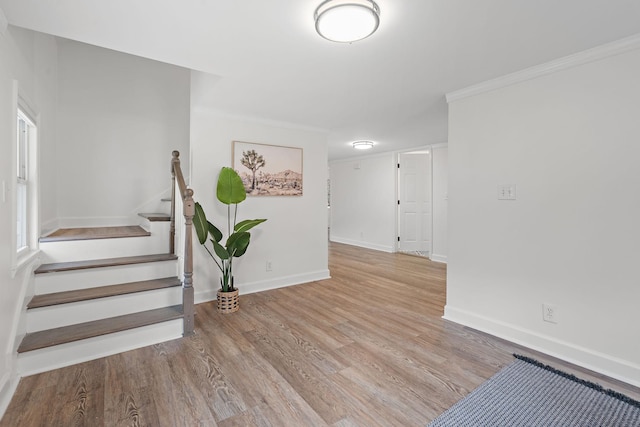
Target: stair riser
{"points": [[36, 361], [61, 281], [155, 227], [80, 250], [39, 319]]}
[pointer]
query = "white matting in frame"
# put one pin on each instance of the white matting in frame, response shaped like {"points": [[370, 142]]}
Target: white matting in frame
{"points": [[268, 170]]}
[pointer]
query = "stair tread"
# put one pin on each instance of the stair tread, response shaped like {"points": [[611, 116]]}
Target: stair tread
{"points": [[80, 331], [91, 233], [57, 298], [154, 217], [105, 262]]}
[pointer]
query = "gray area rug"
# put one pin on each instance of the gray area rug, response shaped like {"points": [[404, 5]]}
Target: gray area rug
{"points": [[527, 393]]}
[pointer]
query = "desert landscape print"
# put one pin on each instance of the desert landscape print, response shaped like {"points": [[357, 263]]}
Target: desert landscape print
{"points": [[268, 170]]}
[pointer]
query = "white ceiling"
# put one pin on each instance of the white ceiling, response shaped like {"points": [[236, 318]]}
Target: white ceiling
{"points": [[262, 58]]}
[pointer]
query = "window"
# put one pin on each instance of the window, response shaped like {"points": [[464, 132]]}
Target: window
{"points": [[25, 140], [23, 187]]}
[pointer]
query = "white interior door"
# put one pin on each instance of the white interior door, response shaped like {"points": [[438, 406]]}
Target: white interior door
{"points": [[414, 202]]}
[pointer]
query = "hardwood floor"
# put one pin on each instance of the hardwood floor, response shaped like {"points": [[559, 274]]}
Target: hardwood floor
{"points": [[367, 347]]}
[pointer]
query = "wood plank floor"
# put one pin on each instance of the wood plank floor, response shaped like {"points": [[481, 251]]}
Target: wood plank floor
{"points": [[366, 348]]}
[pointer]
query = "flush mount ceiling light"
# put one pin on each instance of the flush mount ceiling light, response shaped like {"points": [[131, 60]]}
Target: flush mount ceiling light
{"points": [[346, 21], [362, 145]]}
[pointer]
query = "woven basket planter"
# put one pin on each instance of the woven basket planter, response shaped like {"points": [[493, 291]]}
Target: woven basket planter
{"points": [[228, 302]]}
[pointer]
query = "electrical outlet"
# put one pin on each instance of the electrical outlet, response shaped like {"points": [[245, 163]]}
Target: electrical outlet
{"points": [[549, 313], [269, 266], [507, 192]]}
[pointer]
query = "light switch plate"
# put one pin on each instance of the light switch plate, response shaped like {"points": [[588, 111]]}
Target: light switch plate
{"points": [[507, 192]]}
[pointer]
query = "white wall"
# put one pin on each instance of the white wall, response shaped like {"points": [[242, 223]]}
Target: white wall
{"points": [[363, 201], [570, 142], [294, 238], [27, 57], [47, 82], [119, 118], [439, 156]]}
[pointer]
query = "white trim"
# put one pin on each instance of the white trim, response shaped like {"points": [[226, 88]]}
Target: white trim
{"points": [[387, 153], [22, 105], [440, 145], [49, 226], [26, 107], [438, 258], [580, 58], [374, 246], [19, 324], [608, 365], [265, 285], [7, 390], [422, 147], [363, 157], [23, 260], [12, 183], [428, 150], [418, 149]]}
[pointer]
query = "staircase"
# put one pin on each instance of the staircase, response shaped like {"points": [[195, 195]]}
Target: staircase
{"points": [[106, 290]]}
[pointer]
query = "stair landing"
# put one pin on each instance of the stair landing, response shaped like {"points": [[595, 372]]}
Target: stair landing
{"points": [[88, 233]]}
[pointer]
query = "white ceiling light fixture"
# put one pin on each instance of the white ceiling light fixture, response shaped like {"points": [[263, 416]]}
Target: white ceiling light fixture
{"points": [[346, 21], [362, 145]]}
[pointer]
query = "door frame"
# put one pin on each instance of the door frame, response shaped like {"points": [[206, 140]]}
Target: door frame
{"points": [[429, 150]]}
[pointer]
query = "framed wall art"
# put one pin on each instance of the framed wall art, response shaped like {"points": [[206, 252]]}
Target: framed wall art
{"points": [[268, 170]]}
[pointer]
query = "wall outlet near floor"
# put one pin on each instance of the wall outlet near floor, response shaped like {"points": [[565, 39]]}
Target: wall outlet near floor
{"points": [[269, 266], [549, 313]]}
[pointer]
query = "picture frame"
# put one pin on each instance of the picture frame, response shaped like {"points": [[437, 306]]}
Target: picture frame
{"points": [[268, 170]]}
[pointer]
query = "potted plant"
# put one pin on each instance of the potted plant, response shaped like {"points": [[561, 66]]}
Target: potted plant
{"points": [[230, 191]]}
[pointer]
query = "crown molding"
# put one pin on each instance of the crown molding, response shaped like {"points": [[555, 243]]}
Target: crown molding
{"points": [[595, 54]]}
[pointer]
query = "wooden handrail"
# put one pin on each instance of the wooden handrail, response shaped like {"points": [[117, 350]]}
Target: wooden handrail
{"points": [[188, 208]]}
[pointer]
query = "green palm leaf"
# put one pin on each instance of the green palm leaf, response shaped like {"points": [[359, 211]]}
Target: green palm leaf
{"points": [[230, 187], [247, 224]]}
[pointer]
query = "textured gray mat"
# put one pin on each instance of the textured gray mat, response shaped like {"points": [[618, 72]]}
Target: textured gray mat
{"points": [[527, 393]]}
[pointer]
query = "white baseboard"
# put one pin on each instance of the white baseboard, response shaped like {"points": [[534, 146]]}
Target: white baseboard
{"points": [[49, 227], [438, 258], [605, 364], [265, 285], [368, 245], [7, 390]]}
